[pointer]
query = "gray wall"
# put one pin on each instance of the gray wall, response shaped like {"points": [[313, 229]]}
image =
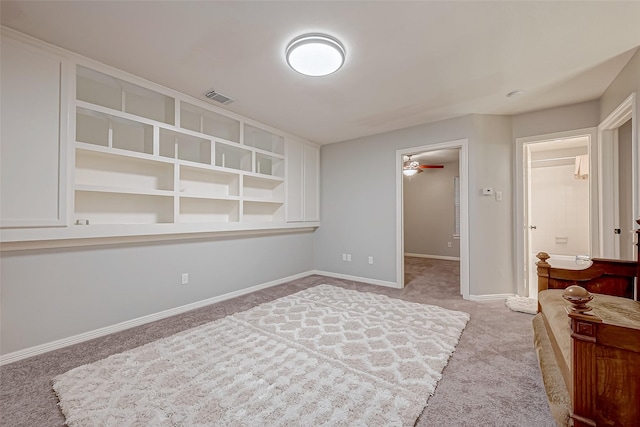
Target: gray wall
{"points": [[49, 295], [429, 215], [358, 197], [359, 207], [491, 226], [570, 117]]}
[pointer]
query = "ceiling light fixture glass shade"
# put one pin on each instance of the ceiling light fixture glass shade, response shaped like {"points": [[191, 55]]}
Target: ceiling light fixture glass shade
{"points": [[315, 55], [410, 168]]}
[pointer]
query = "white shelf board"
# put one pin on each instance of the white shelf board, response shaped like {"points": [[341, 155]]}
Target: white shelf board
{"points": [[266, 152], [208, 167], [261, 200], [120, 114], [263, 176], [124, 153], [187, 195], [121, 190]]}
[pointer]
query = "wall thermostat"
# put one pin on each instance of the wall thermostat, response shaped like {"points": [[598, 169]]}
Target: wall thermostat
{"points": [[487, 191]]}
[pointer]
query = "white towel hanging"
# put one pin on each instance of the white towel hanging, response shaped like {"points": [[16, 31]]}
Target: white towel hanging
{"points": [[582, 167]]}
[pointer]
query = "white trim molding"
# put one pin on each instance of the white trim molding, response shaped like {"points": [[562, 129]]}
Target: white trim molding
{"points": [[520, 228], [607, 187], [86, 336], [489, 297], [357, 279], [448, 258]]}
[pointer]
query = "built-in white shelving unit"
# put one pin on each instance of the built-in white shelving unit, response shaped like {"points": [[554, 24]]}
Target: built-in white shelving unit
{"points": [[121, 157], [145, 157]]}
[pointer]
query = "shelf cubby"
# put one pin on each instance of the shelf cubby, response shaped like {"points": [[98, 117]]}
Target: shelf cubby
{"points": [[122, 208], [110, 131], [261, 188], [185, 147], [131, 136], [92, 128], [254, 211], [207, 183], [145, 103], [229, 156], [204, 121], [98, 88], [269, 165], [263, 140], [208, 210], [110, 92], [112, 170]]}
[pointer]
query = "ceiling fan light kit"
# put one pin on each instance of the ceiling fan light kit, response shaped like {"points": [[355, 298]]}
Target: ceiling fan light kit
{"points": [[411, 167]]}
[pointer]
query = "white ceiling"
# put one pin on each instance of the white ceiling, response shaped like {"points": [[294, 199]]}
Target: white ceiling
{"points": [[407, 63]]}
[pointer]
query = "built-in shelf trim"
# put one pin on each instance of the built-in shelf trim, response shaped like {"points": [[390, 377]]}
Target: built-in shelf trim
{"points": [[111, 234]]}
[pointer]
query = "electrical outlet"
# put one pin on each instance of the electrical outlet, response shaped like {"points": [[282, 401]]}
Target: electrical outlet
{"points": [[449, 244], [370, 260], [348, 257], [344, 257], [185, 278]]}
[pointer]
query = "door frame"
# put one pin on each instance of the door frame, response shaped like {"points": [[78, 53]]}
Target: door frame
{"points": [[607, 164], [520, 226], [463, 145]]}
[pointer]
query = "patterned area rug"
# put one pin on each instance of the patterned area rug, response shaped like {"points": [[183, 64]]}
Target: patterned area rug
{"points": [[322, 356]]}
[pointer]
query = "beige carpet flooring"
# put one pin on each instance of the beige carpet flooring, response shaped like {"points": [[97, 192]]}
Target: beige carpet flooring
{"points": [[492, 379]]}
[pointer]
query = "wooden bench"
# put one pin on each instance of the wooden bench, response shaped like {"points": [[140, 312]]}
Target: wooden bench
{"points": [[590, 361]]}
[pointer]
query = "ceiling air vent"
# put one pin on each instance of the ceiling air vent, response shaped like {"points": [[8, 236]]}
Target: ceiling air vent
{"points": [[217, 96]]}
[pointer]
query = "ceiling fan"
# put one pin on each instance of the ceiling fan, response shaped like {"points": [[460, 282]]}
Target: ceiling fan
{"points": [[411, 167]]}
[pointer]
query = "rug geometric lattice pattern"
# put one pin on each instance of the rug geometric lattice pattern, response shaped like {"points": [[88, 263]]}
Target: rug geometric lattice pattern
{"points": [[322, 356]]}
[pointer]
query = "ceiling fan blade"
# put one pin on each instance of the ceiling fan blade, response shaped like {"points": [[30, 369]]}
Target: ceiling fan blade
{"points": [[431, 166]]}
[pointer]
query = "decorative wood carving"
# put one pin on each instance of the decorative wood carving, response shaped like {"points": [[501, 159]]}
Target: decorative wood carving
{"points": [[604, 276], [605, 386], [605, 361]]}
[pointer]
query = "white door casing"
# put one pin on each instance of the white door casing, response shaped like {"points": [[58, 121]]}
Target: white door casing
{"points": [[609, 246], [525, 265]]}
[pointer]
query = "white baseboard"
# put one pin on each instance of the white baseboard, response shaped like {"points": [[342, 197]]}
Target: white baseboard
{"points": [[357, 279], [448, 258], [489, 297], [86, 336]]}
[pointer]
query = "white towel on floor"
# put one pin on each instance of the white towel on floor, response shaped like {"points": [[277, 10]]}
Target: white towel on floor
{"points": [[522, 304]]}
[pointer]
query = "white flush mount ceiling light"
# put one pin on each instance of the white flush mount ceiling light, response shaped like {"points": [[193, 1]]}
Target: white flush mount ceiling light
{"points": [[315, 54]]}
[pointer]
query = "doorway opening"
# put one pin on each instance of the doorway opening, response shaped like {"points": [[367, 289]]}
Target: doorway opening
{"points": [[555, 202], [435, 154]]}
